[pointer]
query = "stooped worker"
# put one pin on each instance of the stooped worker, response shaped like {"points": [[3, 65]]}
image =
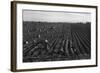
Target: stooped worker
{"points": [[43, 44], [41, 48]]}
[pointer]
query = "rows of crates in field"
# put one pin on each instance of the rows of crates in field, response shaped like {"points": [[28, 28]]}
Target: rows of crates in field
{"points": [[46, 41]]}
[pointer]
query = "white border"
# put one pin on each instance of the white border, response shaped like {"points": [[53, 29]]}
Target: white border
{"points": [[21, 65]]}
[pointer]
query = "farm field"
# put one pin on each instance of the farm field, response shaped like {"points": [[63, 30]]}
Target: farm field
{"points": [[52, 41]]}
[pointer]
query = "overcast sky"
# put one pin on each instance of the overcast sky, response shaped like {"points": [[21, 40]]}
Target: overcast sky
{"points": [[51, 16]]}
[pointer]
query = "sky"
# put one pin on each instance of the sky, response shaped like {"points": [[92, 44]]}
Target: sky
{"points": [[52, 16]]}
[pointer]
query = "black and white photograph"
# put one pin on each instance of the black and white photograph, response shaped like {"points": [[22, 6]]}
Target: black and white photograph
{"points": [[56, 36], [47, 36]]}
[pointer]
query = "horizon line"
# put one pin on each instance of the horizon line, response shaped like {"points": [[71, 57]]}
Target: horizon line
{"points": [[58, 22]]}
